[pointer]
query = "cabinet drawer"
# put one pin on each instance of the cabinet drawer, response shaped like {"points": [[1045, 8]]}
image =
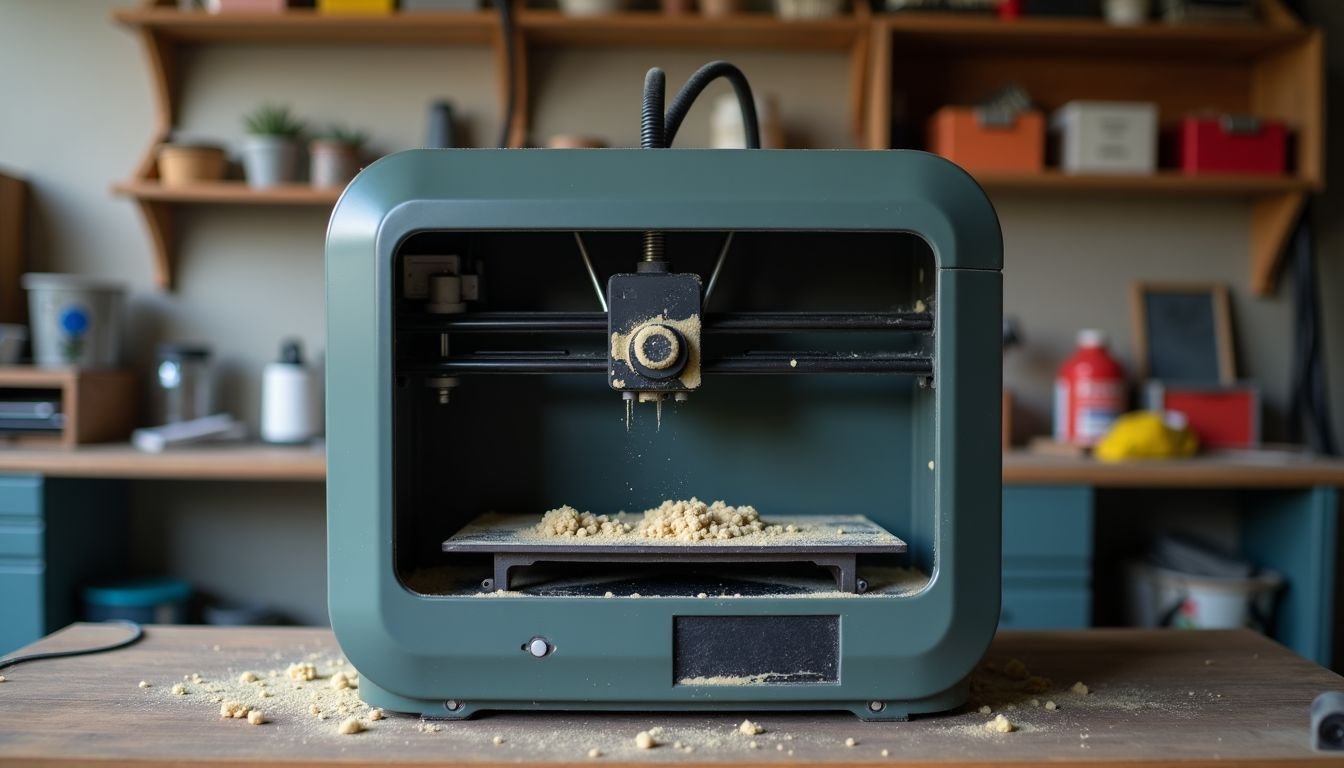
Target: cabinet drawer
{"points": [[20, 496], [1041, 523], [1045, 608], [21, 615], [20, 537]]}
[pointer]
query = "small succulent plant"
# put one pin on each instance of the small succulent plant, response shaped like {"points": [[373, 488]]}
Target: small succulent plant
{"points": [[340, 134], [273, 120]]}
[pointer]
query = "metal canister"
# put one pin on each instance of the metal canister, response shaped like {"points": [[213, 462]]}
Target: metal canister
{"points": [[184, 388]]}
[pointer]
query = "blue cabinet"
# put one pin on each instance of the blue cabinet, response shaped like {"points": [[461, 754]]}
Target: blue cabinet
{"points": [[1047, 557], [55, 535]]}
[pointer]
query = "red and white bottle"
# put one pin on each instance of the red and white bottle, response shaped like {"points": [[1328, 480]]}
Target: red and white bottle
{"points": [[1089, 392]]}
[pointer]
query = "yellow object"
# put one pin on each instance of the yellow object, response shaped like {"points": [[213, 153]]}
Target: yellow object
{"points": [[1144, 435], [356, 6]]}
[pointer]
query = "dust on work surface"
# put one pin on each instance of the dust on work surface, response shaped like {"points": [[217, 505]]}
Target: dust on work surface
{"points": [[310, 697]]}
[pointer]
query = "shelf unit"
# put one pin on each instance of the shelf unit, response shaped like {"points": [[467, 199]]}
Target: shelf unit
{"points": [[245, 462], [163, 29], [922, 61], [901, 66]]}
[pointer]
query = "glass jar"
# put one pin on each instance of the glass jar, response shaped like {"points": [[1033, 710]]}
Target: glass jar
{"points": [[184, 388]]}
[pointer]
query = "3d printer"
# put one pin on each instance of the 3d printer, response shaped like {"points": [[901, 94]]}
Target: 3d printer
{"points": [[816, 334]]}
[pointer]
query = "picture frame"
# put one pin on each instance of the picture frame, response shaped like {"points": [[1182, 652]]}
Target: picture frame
{"points": [[1183, 332]]}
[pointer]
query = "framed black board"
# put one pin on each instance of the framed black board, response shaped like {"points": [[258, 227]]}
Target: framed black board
{"points": [[1183, 332]]}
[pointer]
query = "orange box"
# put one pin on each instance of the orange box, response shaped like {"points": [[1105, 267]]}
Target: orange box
{"points": [[977, 141]]}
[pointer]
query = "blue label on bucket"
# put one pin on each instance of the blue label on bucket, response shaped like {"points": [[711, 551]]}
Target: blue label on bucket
{"points": [[74, 321]]}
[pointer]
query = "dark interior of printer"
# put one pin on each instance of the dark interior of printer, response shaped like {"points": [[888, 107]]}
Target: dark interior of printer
{"points": [[817, 443]]}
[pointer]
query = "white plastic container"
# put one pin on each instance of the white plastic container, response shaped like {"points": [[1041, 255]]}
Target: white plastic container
{"points": [[1159, 597], [591, 7], [75, 320], [289, 407], [1126, 13], [12, 338], [1107, 136], [726, 132]]}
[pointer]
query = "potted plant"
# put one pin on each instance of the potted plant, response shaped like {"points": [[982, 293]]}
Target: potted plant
{"points": [[335, 155], [271, 150]]}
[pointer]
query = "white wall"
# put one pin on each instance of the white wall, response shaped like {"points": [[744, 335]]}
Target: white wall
{"points": [[77, 113]]}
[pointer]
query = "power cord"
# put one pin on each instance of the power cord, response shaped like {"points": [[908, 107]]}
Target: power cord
{"points": [[137, 632], [510, 91]]}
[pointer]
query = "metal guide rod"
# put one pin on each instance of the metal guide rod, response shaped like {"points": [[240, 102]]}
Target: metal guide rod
{"points": [[592, 273], [733, 322], [771, 363]]}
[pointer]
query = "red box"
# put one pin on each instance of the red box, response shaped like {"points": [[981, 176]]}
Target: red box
{"points": [[1222, 417], [1232, 144], [983, 141]]}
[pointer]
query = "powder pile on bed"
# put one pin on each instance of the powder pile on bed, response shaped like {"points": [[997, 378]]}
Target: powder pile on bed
{"points": [[682, 520]]}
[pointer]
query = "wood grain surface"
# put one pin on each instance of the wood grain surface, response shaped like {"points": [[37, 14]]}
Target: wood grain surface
{"points": [[1157, 698]]}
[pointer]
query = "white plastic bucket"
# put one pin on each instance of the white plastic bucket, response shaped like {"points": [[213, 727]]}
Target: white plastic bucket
{"points": [[1159, 597], [76, 321]]}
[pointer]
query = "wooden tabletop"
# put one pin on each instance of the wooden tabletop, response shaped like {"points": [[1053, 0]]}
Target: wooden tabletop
{"points": [[1156, 698], [225, 461], [1240, 469]]}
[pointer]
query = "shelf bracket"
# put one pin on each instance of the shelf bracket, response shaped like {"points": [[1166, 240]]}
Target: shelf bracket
{"points": [[1272, 221]]}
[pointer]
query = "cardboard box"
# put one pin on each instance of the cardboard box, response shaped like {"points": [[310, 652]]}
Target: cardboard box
{"points": [[980, 140], [1107, 136]]}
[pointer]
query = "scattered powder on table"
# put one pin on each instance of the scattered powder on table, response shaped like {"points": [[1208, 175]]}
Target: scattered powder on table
{"points": [[850, 742], [594, 753], [645, 740], [1079, 688], [143, 684], [985, 710], [375, 714], [179, 690], [350, 726], [748, 728], [340, 681], [256, 717], [302, 671], [1000, 724], [1052, 706], [497, 740], [248, 677], [886, 753]]}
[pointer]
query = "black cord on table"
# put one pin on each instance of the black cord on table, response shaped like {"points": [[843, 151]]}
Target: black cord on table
{"points": [[135, 629]]}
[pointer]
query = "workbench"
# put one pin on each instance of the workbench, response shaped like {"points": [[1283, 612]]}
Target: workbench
{"points": [[64, 517], [1156, 698]]}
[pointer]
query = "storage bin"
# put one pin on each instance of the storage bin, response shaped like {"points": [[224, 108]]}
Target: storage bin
{"points": [[982, 140], [147, 601], [1232, 144], [375, 7], [1159, 597], [1107, 137], [75, 320], [187, 164]]}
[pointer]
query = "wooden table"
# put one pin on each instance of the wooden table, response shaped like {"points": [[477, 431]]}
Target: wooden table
{"points": [[1158, 698]]}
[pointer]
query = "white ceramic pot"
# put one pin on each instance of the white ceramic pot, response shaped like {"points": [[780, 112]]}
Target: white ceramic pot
{"points": [[1126, 13], [270, 160], [590, 7], [76, 320]]}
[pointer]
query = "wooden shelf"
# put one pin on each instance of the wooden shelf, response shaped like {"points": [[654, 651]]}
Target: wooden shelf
{"points": [[754, 31], [1208, 42], [1273, 69], [1165, 183], [309, 26], [1250, 469], [230, 192], [119, 460]]}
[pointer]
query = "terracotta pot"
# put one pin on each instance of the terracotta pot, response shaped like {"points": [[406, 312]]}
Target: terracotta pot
{"points": [[677, 7], [717, 9], [246, 6], [186, 164], [334, 164]]}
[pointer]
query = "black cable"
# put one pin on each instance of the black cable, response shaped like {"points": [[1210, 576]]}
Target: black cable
{"points": [[1309, 409], [510, 91], [681, 104], [135, 629], [651, 114]]}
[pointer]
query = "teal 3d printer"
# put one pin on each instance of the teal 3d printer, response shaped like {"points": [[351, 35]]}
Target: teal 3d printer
{"points": [[813, 333]]}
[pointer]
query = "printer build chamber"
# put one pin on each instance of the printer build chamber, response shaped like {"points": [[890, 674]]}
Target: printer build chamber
{"points": [[851, 358]]}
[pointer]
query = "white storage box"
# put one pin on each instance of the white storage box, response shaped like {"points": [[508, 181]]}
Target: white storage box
{"points": [[1107, 136]]}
